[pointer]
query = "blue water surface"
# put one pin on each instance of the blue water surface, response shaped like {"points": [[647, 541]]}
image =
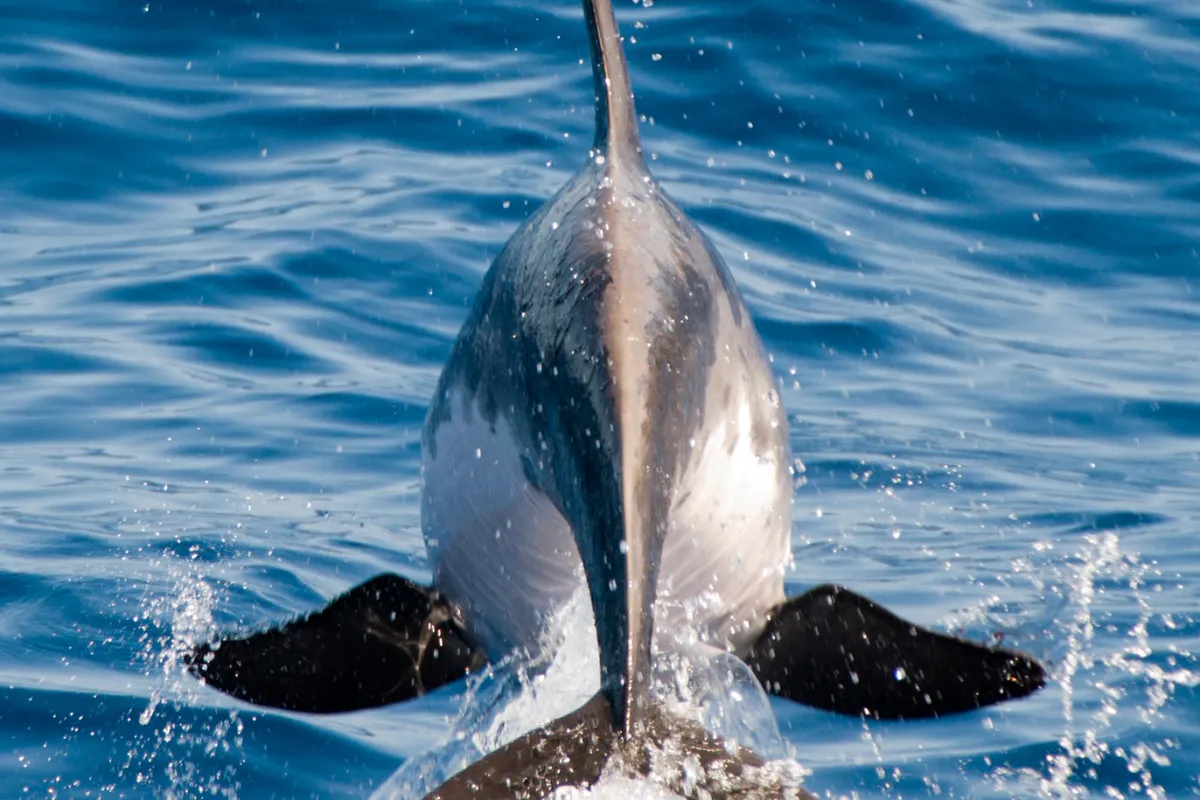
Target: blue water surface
{"points": [[238, 238]]}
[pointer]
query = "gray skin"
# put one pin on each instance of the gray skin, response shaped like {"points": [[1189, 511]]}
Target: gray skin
{"points": [[607, 416], [608, 339]]}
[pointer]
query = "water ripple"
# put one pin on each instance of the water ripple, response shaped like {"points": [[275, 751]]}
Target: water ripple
{"points": [[239, 240]]}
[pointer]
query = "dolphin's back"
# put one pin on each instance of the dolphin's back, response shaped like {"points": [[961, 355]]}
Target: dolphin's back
{"points": [[607, 286]]}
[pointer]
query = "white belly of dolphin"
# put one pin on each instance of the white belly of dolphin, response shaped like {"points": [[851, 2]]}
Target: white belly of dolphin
{"points": [[728, 545], [503, 553]]}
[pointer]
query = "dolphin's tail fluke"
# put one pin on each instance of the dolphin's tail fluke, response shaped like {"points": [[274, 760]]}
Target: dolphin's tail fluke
{"points": [[578, 749]]}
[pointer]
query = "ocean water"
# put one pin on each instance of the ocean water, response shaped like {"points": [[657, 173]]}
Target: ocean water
{"points": [[238, 238]]}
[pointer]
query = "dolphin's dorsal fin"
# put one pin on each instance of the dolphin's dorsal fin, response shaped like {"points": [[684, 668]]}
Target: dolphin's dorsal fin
{"points": [[616, 118]]}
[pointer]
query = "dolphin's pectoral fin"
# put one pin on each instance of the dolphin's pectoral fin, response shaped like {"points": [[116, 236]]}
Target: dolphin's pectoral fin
{"points": [[575, 750], [383, 641], [833, 649]]}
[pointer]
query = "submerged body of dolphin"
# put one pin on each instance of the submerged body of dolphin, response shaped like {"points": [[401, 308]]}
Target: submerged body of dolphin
{"points": [[607, 415]]}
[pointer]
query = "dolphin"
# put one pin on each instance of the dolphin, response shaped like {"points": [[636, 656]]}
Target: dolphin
{"points": [[608, 417]]}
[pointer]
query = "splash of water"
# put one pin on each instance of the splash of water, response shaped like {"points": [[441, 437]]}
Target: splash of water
{"points": [[178, 750], [1096, 682], [510, 699]]}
